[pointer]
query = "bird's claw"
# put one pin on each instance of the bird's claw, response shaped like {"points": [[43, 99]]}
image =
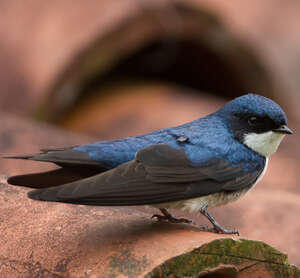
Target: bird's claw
{"points": [[228, 232], [158, 217], [171, 219], [219, 230], [207, 229], [235, 232]]}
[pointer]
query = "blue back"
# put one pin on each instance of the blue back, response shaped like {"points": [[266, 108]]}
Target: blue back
{"points": [[208, 138]]}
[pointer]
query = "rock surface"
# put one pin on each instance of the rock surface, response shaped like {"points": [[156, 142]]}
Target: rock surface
{"points": [[58, 240]]}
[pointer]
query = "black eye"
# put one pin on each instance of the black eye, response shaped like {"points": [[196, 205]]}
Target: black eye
{"points": [[253, 121]]}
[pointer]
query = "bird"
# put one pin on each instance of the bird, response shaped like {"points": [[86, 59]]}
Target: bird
{"points": [[205, 163]]}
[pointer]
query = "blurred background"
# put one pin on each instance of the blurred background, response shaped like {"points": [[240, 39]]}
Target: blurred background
{"points": [[73, 72]]}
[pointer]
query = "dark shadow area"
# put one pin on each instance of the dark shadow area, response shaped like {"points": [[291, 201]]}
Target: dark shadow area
{"points": [[186, 63]]}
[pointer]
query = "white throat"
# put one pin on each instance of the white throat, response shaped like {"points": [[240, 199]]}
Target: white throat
{"points": [[264, 143]]}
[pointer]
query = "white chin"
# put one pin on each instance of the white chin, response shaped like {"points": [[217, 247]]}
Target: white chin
{"points": [[264, 143]]}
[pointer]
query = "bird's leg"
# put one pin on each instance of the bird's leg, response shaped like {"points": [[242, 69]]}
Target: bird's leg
{"points": [[217, 228], [169, 218]]}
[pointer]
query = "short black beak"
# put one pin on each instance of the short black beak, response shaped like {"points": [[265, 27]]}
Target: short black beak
{"points": [[283, 129]]}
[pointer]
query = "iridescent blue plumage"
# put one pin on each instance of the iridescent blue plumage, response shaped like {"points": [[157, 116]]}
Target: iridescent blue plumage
{"points": [[255, 104]]}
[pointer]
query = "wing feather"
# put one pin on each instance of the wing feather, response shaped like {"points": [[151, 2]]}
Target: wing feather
{"points": [[62, 157], [159, 174]]}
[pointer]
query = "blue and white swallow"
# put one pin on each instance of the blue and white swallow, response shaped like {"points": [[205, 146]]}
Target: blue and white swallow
{"points": [[196, 166]]}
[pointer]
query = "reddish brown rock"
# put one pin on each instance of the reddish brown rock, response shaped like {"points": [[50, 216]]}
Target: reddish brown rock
{"points": [[41, 239], [61, 239]]}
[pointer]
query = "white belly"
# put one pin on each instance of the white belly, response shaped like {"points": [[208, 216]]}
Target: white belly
{"points": [[212, 200]]}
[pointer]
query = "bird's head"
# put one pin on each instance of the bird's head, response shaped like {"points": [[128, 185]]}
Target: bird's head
{"points": [[257, 122]]}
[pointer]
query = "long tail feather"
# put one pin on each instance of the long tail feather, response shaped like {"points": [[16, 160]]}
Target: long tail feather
{"points": [[52, 178]]}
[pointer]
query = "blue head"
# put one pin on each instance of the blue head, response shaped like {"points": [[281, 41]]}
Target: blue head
{"points": [[256, 121]]}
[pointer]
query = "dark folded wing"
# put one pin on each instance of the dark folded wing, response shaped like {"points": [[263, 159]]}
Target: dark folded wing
{"points": [[75, 165], [158, 174]]}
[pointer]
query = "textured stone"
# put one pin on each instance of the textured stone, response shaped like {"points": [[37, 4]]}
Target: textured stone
{"points": [[59, 240]]}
